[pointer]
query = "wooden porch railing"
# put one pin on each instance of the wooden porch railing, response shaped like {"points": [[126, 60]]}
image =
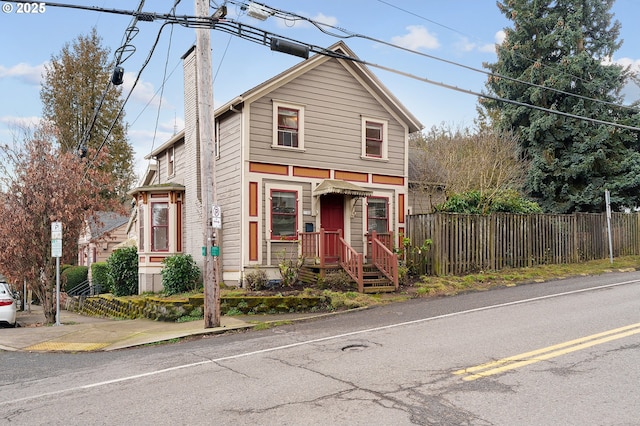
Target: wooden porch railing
{"points": [[321, 246], [329, 248], [351, 262], [384, 259]]}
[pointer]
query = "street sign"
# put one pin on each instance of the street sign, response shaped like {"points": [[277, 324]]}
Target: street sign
{"points": [[56, 239], [216, 217]]}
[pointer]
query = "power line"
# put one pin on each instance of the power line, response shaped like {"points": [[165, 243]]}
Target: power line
{"points": [[515, 52], [349, 34], [264, 37]]}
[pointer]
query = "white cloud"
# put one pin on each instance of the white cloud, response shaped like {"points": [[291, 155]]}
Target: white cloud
{"points": [[144, 92], [417, 37], [27, 73], [20, 122], [465, 45], [500, 36], [301, 23], [628, 62]]}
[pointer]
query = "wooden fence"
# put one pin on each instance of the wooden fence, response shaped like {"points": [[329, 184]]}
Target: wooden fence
{"points": [[464, 244]]}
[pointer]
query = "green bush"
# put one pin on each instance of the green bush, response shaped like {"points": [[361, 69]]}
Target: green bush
{"points": [[474, 202], [99, 276], [180, 274], [122, 271], [72, 276]]}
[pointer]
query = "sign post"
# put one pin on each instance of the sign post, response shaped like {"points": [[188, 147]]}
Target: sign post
{"points": [[607, 200], [56, 251]]}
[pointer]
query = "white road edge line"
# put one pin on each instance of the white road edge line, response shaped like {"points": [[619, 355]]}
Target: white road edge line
{"points": [[306, 342]]}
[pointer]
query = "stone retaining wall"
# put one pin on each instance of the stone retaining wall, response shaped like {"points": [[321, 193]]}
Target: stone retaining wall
{"points": [[167, 309]]}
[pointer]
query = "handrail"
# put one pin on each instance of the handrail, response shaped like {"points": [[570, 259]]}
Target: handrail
{"points": [[85, 288], [315, 245], [384, 259], [351, 262]]}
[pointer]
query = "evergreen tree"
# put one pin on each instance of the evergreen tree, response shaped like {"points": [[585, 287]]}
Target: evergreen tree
{"points": [[73, 87], [565, 45]]}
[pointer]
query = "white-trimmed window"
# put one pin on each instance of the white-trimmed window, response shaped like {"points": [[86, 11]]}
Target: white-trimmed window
{"points": [[216, 140], [171, 156], [284, 214], [374, 138], [378, 214], [141, 221], [288, 125], [159, 226]]}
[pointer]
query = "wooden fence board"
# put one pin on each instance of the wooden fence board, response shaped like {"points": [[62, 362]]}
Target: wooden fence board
{"points": [[470, 243]]}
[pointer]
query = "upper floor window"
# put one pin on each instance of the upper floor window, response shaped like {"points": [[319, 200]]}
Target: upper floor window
{"points": [[374, 138], [377, 214], [159, 226], [288, 125], [171, 161], [284, 214], [216, 140]]}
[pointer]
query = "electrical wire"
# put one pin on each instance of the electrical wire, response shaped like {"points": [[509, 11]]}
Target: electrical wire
{"points": [[166, 63], [348, 34], [263, 37], [144, 65], [82, 144]]}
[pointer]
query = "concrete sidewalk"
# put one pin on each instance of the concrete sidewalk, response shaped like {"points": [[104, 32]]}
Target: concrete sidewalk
{"points": [[79, 333]]}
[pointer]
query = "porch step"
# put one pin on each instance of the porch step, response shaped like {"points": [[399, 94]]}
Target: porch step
{"points": [[373, 280]]}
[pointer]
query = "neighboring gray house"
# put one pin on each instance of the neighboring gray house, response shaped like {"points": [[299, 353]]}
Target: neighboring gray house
{"points": [[101, 237], [323, 145]]}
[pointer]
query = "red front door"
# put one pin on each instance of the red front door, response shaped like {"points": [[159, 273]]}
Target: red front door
{"points": [[331, 220]]}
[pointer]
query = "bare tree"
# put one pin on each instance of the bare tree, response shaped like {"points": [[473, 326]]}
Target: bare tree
{"points": [[460, 160], [42, 184]]}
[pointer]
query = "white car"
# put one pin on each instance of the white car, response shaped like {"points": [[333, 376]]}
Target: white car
{"points": [[7, 306]]}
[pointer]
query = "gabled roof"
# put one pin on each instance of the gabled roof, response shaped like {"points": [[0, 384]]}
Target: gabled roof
{"points": [[106, 222], [370, 82]]}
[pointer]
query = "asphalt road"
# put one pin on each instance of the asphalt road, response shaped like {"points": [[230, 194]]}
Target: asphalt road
{"points": [[564, 352]]}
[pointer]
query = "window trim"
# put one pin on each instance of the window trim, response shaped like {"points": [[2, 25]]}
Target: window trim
{"points": [[167, 226], [388, 207], [296, 215], [171, 164], [384, 154], [290, 106], [141, 226]]}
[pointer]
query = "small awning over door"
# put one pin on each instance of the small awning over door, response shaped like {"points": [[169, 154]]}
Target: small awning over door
{"points": [[331, 186], [341, 187]]}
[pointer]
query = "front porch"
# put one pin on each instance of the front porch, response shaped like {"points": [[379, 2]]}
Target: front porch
{"points": [[327, 251]]}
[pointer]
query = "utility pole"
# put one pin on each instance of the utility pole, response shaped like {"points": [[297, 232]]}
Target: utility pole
{"points": [[207, 159]]}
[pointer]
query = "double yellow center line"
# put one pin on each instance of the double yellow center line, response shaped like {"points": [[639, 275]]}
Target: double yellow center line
{"points": [[516, 361]]}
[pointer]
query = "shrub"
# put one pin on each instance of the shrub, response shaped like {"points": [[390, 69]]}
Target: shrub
{"points": [[337, 281], [122, 271], [289, 268], [72, 276], [180, 274], [474, 202], [257, 280], [99, 277]]}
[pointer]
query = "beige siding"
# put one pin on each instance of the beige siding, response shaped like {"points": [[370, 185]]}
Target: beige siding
{"points": [[229, 191], [334, 103], [193, 241]]}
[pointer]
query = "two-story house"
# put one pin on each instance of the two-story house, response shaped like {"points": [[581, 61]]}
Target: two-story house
{"points": [[314, 160]]}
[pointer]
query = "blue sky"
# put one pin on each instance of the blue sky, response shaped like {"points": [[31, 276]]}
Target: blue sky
{"points": [[461, 31]]}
